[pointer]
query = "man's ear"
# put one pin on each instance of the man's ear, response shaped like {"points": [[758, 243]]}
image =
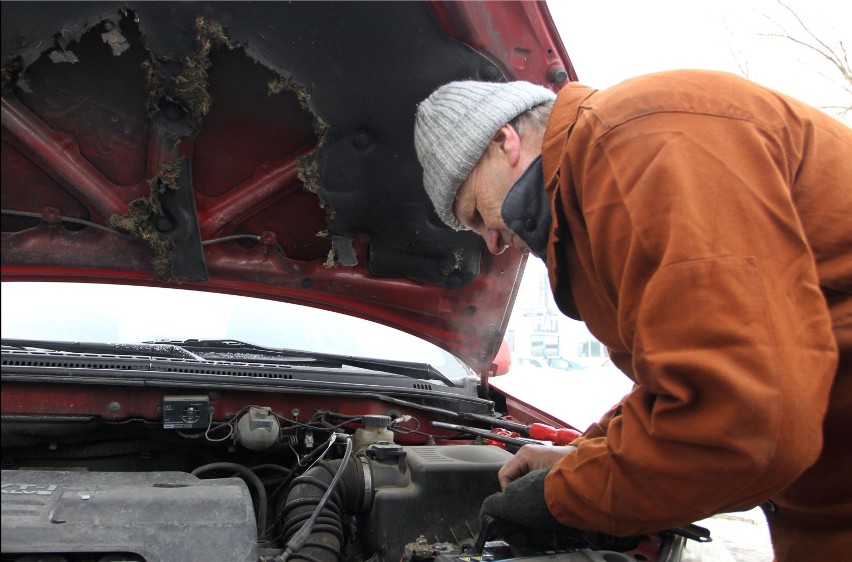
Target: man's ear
{"points": [[508, 142]]}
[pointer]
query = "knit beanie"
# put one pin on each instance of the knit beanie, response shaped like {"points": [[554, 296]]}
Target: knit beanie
{"points": [[453, 127]]}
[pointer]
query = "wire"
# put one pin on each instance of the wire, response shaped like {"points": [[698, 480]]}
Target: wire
{"points": [[298, 466], [294, 424], [132, 420], [297, 541], [397, 425], [325, 452], [70, 220], [84, 222], [230, 424], [230, 427], [397, 428], [295, 452], [253, 237]]}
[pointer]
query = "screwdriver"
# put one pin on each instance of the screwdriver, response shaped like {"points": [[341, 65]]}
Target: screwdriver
{"points": [[519, 441], [538, 431], [544, 432]]}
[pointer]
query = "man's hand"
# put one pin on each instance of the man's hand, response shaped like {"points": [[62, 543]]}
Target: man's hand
{"points": [[521, 518], [530, 458], [522, 503]]}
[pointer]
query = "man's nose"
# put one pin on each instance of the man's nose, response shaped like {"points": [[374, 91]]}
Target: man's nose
{"points": [[494, 241]]}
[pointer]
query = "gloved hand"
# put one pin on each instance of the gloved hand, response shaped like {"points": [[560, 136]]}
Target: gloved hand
{"points": [[522, 503], [522, 518]]}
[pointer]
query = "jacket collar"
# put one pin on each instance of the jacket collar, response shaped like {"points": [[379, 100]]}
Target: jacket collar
{"points": [[526, 210], [557, 171]]}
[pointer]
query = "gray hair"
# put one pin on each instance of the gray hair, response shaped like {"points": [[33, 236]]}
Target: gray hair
{"points": [[535, 118]]}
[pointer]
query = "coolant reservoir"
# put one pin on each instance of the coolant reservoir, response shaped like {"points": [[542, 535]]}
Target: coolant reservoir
{"points": [[375, 429]]}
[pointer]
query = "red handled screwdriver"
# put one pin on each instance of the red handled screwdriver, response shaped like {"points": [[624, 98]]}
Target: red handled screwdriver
{"points": [[547, 433]]}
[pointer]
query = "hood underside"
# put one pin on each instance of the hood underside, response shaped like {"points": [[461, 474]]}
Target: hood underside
{"points": [[257, 148]]}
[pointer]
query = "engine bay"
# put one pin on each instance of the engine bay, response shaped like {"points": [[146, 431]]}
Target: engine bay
{"points": [[261, 486]]}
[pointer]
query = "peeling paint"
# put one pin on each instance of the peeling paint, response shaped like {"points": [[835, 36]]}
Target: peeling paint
{"points": [[178, 82], [113, 37], [189, 87], [63, 56], [127, 14], [54, 45], [320, 127], [24, 85], [458, 256], [168, 176], [278, 85], [307, 174], [332, 259], [191, 84], [8, 74], [139, 221], [282, 83]]}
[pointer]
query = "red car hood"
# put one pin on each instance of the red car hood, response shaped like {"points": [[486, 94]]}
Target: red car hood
{"points": [[262, 149]]}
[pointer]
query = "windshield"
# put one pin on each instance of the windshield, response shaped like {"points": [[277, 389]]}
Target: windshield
{"points": [[130, 314]]}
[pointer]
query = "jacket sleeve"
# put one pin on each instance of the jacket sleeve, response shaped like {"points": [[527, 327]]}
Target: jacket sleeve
{"points": [[694, 238]]}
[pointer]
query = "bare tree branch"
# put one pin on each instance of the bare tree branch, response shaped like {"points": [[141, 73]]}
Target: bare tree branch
{"points": [[836, 56]]}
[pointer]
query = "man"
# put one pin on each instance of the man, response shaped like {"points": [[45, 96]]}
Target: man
{"points": [[701, 226]]}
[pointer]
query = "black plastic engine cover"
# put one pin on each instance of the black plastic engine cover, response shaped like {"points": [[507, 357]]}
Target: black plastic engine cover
{"points": [[438, 496], [160, 516]]}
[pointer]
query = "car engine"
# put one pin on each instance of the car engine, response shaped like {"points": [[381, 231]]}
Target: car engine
{"points": [[260, 487]]}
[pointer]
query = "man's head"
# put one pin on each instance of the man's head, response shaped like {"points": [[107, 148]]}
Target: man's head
{"points": [[470, 152]]}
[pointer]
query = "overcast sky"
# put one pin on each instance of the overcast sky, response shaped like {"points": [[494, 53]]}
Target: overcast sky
{"points": [[610, 40]]}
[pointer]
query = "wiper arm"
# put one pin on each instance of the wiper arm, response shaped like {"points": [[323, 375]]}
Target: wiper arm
{"points": [[207, 348], [405, 368]]}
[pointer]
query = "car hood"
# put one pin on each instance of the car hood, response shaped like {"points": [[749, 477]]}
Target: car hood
{"points": [[257, 148]]}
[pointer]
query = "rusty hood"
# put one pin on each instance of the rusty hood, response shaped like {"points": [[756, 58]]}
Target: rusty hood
{"points": [[257, 148]]}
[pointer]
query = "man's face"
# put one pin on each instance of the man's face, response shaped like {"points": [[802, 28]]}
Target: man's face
{"points": [[479, 200]]}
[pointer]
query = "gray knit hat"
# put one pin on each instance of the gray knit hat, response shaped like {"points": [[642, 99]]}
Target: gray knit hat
{"points": [[454, 126]]}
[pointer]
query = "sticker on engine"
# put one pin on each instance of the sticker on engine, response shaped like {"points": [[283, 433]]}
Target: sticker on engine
{"points": [[28, 489], [186, 412]]}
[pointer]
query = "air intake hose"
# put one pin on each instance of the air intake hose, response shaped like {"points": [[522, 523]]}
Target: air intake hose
{"points": [[326, 538]]}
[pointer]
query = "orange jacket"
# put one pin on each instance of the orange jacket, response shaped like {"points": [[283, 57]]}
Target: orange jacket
{"points": [[702, 229]]}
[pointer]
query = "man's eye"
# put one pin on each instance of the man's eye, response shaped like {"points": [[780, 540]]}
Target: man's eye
{"points": [[478, 217], [473, 221]]}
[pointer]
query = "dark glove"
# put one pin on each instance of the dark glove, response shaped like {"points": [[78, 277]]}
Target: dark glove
{"points": [[522, 503], [522, 519]]}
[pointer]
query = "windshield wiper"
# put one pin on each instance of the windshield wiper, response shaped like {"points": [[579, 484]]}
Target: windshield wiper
{"points": [[154, 349], [230, 349]]}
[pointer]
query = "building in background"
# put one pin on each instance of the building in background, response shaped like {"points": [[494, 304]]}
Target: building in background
{"points": [[538, 329]]}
